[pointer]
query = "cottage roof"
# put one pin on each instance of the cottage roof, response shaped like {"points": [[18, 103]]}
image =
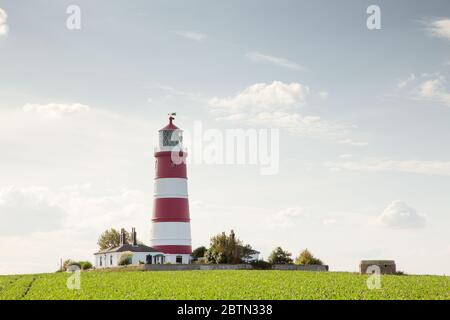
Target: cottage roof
{"points": [[128, 247]]}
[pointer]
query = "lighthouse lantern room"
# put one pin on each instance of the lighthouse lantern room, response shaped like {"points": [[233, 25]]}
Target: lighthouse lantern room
{"points": [[171, 230]]}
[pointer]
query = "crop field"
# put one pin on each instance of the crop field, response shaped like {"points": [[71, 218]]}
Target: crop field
{"points": [[222, 284]]}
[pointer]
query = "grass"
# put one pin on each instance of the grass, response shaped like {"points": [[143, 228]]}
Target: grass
{"points": [[222, 284]]}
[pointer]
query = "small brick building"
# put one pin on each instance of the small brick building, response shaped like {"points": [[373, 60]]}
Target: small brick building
{"points": [[386, 266]]}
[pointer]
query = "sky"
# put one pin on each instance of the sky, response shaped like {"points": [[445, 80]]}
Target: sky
{"points": [[363, 163]]}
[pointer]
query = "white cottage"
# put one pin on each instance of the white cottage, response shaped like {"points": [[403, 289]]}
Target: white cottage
{"points": [[109, 258]]}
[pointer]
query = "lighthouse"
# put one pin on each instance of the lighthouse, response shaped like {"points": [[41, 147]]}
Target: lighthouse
{"points": [[171, 229]]}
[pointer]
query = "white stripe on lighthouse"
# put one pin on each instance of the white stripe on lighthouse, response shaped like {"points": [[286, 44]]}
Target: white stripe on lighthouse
{"points": [[171, 242], [171, 188], [171, 233]]}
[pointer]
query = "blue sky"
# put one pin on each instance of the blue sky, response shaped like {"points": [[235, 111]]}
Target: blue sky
{"points": [[363, 118]]}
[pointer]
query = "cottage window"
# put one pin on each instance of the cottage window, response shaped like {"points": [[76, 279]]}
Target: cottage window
{"points": [[110, 259], [179, 259], [101, 261]]}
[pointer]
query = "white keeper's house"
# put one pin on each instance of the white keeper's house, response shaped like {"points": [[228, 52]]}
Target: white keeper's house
{"points": [[109, 258]]}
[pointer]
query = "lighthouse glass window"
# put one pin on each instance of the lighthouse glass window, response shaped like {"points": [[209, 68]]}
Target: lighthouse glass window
{"points": [[171, 138]]}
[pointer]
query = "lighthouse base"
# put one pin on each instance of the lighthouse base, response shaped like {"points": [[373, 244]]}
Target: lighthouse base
{"points": [[178, 258]]}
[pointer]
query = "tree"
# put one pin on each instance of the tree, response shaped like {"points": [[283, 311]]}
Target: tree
{"points": [[247, 252], [279, 256], [111, 238], [306, 257], [125, 258], [198, 253], [227, 249]]}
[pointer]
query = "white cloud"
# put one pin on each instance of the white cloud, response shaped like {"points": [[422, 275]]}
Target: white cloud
{"points": [[438, 27], [281, 62], [196, 36], [323, 94], [40, 209], [171, 92], [276, 105], [389, 165], [52, 223], [261, 97], [434, 89], [85, 146], [403, 82], [401, 216], [28, 210], [55, 110], [352, 142], [329, 222], [286, 217], [427, 86], [4, 28]]}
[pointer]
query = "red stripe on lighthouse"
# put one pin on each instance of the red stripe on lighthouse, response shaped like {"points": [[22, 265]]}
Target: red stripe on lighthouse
{"points": [[174, 249], [166, 168], [171, 210]]}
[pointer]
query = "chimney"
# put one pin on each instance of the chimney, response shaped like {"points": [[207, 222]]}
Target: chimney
{"points": [[122, 236], [133, 237]]}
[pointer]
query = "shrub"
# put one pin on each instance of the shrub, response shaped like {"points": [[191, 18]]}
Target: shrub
{"points": [[85, 265], [126, 258], [261, 265]]}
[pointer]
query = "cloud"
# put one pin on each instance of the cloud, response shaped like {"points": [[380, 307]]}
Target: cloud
{"points": [[281, 62], [4, 28], [438, 27], [196, 36], [329, 222], [171, 92], [52, 223], [428, 87], [28, 210], [323, 94], [55, 110], [264, 97], [389, 165], [400, 216], [403, 82], [434, 89], [276, 105], [74, 146], [352, 142], [286, 217]]}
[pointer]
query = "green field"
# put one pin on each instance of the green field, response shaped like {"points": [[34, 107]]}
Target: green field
{"points": [[224, 284]]}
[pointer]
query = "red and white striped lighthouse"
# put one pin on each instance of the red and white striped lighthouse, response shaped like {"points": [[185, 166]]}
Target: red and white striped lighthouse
{"points": [[171, 229]]}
